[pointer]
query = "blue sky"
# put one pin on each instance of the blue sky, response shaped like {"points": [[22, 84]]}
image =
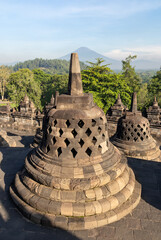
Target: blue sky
{"points": [[53, 28]]}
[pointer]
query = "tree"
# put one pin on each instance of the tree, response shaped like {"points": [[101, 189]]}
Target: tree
{"points": [[4, 76], [105, 85], [131, 77], [22, 82], [154, 87]]}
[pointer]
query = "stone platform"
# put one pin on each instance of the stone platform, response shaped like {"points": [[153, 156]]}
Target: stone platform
{"points": [[143, 223]]}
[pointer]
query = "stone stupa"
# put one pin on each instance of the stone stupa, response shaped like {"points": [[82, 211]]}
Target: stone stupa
{"points": [[133, 135], [76, 179]]}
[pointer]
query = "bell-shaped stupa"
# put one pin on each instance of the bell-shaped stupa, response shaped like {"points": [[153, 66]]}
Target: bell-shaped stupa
{"points": [[76, 179], [133, 135]]}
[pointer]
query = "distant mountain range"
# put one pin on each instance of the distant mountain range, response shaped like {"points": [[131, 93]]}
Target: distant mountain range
{"points": [[86, 54]]}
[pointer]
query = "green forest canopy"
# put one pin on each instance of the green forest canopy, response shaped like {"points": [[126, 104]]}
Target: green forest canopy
{"points": [[41, 78]]}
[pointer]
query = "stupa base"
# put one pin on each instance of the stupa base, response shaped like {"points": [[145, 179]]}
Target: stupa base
{"points": [[148, 150], [77, 223]]}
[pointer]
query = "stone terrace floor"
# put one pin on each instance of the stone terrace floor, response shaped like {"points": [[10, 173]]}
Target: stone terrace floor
{"points": [[144, 223]]}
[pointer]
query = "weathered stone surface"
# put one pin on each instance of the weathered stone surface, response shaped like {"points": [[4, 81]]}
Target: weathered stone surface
{"points": [[133, 136], [76, 179]]}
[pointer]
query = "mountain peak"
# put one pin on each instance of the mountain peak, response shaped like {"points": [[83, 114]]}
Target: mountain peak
{"points": [[86, 54]]}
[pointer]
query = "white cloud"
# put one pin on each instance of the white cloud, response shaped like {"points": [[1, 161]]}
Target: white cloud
{"points": [[144, 52]]}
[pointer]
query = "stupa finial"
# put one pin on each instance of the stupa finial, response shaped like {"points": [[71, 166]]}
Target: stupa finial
{"points": [[134, 103], [75, 81], [52, 99]]}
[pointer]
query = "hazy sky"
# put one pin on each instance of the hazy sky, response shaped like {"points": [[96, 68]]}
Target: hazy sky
{"points": [[53, 28]]}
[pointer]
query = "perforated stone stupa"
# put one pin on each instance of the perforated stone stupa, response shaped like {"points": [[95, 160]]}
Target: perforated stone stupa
{"points": [[77, 179], [133, 136]]}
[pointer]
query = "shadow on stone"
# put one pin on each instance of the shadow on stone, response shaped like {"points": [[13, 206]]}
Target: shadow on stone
{"points": [[148, 174], [12, 224]]}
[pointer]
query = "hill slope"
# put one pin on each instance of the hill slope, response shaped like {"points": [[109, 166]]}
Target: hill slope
{"points": [[55, 66], [86, 54]]}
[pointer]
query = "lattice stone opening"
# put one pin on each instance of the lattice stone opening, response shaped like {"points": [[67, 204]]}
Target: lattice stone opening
{"points": [[74, 152], [88, 151], [88, 132], [61, 132], [74, 133], [147, 137], [128, 129], [94, 140], [135, 130], [138, 134], [93, 122], [132, 125], [132, 134], [103, 136], [141, 138], [59, 151], [141, 129], [144, 133], [81, 123], [135, 139], [128, 138], [100, 148], [54, 140], [50, 129], [144, 125], [99, 129], [55, 122], [67, 142], [68, 123], [48, 148], [138, 126], [81, 142]]}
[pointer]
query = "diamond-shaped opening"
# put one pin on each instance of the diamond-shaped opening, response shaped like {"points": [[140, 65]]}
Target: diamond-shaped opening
{"points": [[146, 136], [81, 142], [138, 126], [89, 152], [99, 148], [59, 151], [141, 138], [125, 133], [74, 133], [54, 140], [138, 134], [132, 134], [144, 125], [50, 129], [128, 138], [88, 132], [135, 139], [74, 152], [132, 125], [144, 133], [67, 142], [93, 122], [55, 122], [101, 118], [135, 130], [126, 125], [94, 140], [61, 132], [103, 136], [128, 129], [81, 123], [68, 123], [48, 148], [99, 129], [141, 129]]}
